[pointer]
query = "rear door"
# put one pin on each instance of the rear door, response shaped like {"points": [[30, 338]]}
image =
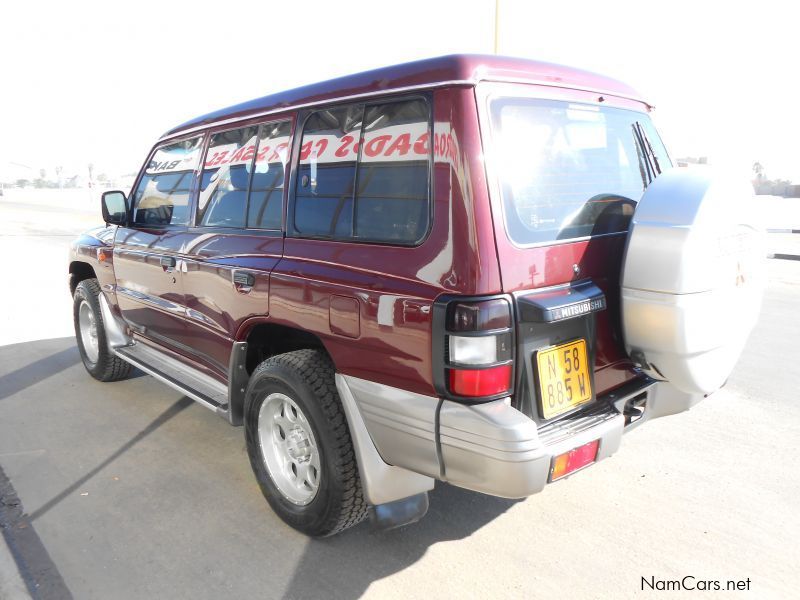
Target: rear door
{"points": [[147, 251], [566, 169], [236, 237]]}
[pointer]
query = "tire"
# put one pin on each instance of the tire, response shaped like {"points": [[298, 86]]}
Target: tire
{"points": [[101, 363], [330, 500]]}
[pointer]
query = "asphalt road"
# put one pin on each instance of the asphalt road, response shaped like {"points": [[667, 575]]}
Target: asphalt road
{"points": [[129, 490]]}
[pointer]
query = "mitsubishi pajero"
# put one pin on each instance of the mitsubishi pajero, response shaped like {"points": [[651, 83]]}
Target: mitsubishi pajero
{"points": [[473, 269]]}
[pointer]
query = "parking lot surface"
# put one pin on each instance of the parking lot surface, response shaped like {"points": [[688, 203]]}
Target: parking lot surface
{"points": [[130, 490]]}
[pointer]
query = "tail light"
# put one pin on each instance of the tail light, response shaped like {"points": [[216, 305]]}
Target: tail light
{"points": [[478, 348], [480, 382]]}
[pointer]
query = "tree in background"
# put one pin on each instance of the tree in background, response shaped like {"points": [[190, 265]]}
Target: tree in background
{"points": [[758, 169], [777, 187]]}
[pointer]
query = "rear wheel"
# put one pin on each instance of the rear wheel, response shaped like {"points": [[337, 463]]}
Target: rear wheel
{"points": [[299, 444], [90, 334]]}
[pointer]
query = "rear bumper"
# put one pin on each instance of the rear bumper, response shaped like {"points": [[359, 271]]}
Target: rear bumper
{"points": [[494, 448]]}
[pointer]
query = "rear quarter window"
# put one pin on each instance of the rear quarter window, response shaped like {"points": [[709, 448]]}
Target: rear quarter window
{"points": [[326, 173], [364, 174]]}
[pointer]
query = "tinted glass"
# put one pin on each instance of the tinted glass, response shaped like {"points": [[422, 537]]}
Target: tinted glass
{"points": [[226, 176], [569, 170], [364, 173], [163, 194], [392, 197], [265, 206], [326, 172]]}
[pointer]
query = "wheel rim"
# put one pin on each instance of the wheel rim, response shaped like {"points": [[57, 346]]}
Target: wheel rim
{"points": [[289, 449], [88, 327]]}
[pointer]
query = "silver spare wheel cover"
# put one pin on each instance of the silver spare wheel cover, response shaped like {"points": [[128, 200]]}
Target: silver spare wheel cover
{"points": [[692, 278]]}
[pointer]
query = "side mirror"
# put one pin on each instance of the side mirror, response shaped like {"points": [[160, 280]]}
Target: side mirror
{"points": [[115, 208]]}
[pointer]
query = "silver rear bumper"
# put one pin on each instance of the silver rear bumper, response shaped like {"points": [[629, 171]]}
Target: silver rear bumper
{"points": [[495, 449], [491, 448]]}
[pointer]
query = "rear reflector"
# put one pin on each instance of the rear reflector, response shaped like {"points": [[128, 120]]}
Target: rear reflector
{"points": [[575, 459], [480, 382]]}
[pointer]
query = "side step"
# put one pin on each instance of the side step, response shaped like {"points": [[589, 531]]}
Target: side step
{"points": [[197, 385]]}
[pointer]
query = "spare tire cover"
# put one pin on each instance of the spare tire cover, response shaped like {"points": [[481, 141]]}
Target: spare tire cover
{"points": [[692, 278]]}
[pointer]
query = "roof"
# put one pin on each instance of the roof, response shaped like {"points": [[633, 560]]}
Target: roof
{"points": [[466, 69]]}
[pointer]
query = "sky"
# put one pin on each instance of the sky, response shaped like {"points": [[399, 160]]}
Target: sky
{"points": [[98, 82]]}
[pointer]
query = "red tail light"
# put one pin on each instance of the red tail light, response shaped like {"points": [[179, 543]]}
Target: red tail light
{"points": [[480, 382], [479, 349]]}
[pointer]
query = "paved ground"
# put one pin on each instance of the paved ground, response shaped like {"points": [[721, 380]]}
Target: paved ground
{"points": [[129, 490]]}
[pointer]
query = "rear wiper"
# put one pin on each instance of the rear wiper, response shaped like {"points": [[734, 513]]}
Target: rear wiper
{"points": [[651, 160], [641, 157]]}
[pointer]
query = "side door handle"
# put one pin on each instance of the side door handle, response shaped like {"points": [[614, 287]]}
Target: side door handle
{"points": [[168, 263]]}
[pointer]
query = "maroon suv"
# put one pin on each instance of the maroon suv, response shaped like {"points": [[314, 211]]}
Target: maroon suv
{"points": [[475, 269]]}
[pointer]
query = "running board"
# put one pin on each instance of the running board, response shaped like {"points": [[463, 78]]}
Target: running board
{"points": [[198, 386]]}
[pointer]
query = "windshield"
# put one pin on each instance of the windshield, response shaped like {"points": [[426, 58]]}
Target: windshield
{"points": [[570, 170]]}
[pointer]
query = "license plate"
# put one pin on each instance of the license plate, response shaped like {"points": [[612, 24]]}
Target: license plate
{"points": [[563, 378]]}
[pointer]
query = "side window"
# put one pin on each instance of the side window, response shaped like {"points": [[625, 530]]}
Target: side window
{"points": [[163, 194], [392, 195], [364, 173], [326, 172], [265, 204], [226, 178]]}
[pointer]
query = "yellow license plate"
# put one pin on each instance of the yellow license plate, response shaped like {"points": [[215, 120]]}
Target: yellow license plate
{"points": [[563, 378]]}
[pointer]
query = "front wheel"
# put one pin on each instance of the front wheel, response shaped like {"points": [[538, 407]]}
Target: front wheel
{"points": [[299, 444], [90, 334]]}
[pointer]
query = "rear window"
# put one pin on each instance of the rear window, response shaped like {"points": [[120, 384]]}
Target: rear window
{"points": [[569, 170]]}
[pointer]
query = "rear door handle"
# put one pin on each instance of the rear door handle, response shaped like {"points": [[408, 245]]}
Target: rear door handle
{"points": [[168, 262]]}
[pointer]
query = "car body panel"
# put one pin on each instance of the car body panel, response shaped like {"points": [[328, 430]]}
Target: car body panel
{"points": [[150, 295], [216, 307]]}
